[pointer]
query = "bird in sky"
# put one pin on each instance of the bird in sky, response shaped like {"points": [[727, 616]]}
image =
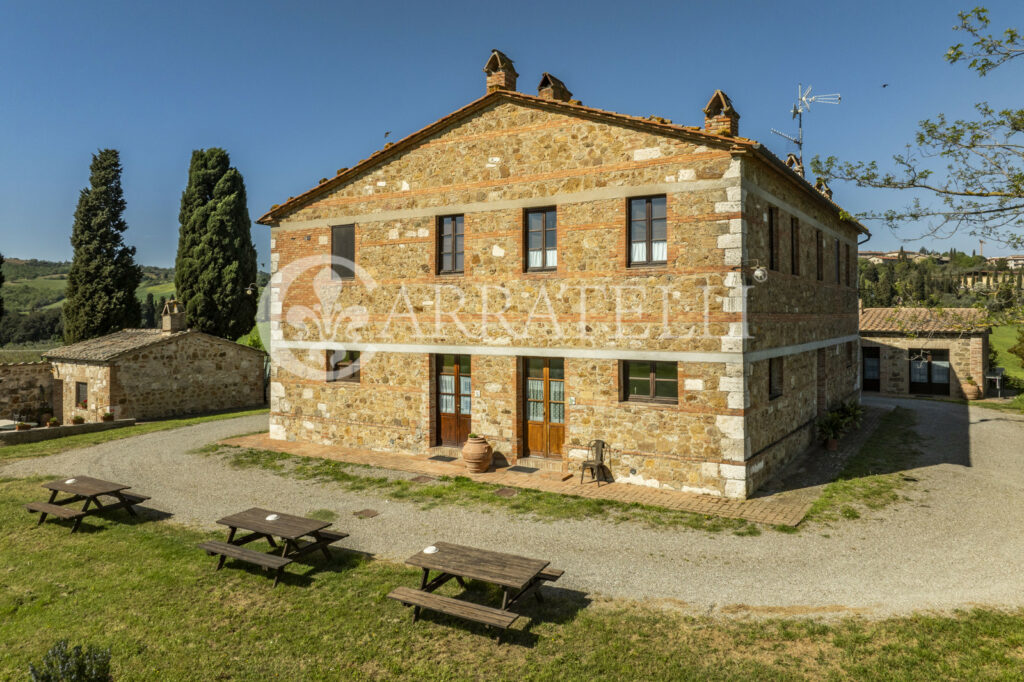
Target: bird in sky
{"points": [[885, 85]]}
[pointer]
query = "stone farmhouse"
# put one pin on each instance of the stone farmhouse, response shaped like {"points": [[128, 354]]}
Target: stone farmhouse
{"points": [[545, 273], [155, 373], [923, 350]]}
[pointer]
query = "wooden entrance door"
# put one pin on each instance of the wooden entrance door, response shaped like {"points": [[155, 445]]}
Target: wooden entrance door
{"points": [[872, 368], [545, 406], [454, 399]]}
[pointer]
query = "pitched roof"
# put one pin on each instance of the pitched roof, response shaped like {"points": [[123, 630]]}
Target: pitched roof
{"points": [[917, 320], [106, 348], [654, 124]]}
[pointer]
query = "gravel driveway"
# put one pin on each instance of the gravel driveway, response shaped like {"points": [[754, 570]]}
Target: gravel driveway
{"points": [[956, 543]]}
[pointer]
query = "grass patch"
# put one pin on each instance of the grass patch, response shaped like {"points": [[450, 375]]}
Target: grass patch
{"points": [[52, 447], [462, 491], [323, 515], [143, 590], [872, 478], [25, 353], [1001, 339]]}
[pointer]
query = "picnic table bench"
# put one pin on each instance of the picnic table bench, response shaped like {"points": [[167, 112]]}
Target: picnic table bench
{"points": [[266, 524], [516, 575], [89, 490]]}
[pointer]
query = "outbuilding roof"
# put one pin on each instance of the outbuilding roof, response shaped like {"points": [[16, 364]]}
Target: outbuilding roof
{"points": [[918, 320], [109, 347]]}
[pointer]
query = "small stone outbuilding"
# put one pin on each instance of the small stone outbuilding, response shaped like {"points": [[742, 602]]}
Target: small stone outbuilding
{"points": [[923, 350], [155, 373]]}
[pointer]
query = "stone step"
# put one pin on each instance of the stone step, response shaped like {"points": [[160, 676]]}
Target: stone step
{"points": [[542, 463]]}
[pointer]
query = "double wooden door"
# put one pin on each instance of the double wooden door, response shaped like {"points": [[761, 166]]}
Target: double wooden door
{"points": [[544, 396], [454, 399]]}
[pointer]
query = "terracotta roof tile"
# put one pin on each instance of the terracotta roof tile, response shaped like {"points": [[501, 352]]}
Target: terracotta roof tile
{"points": [[917, 320], [660, 125], [105, 348]]}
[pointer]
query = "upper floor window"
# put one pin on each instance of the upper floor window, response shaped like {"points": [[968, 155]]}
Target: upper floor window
{"points": [[819, 254], [794, 246], [774, 378], [646, 381], [449, 248], [838, 265], [343, 365], [773, 238], [343, 250], [648, 244], [541, 239]]}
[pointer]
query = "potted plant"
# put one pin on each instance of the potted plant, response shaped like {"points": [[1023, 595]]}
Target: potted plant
{"points": [[22, 426], [78, 419], [830, 427], [972, 391], [51, 422], [107, 416], [476, 453]]}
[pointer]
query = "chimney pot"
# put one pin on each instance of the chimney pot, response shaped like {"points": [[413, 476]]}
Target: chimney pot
{"points": [[173, 318], [501, 74], [552, 88], [719, 116]]}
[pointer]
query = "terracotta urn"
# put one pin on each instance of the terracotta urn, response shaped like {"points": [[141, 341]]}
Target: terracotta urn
{"points": [[476, 453], [972, 391], [107, 417], [22, 427]]}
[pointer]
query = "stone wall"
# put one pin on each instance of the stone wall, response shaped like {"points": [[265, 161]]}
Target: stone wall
{"points": [[968, 356], [189, 374], [26, 391], [592, 310]]}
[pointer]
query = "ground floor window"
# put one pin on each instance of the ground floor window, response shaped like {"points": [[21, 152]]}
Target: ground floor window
{"points": [[929, 371], [648, 381], [774, 378], [81, 394], [872, 368]]}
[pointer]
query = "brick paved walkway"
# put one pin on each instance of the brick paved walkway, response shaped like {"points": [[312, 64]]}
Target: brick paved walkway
{"points": [[759, 510]]}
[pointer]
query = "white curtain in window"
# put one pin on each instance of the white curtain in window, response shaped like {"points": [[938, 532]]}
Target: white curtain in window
{"points": [[659, 251], [638, 253], [552, 258], [536, 258]]}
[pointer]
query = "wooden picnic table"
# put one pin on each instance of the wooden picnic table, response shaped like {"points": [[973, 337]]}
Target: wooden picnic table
{"points": [[265, 524], [87, 490], [516, 575]]}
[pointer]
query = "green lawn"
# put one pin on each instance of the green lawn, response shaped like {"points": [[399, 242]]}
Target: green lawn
{"points": [[144, 591], [872, 478], [52, 447], [1001, 339]]}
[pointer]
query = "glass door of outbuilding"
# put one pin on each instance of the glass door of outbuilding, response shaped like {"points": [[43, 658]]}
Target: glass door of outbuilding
{"points": [[454, 399], [929, 371], [544, 396]]}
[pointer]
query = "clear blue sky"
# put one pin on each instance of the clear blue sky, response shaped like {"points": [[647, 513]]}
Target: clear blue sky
{"points": [[296, 90]]}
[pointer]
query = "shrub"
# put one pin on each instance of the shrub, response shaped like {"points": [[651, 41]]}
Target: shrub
{"points": [[53, 421], [78, 419], [61, 664], [831, 425], [852, 412]]}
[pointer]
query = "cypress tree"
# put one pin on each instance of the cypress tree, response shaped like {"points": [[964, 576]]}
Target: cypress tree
{"points": [[103, 276], [216, 260], [149, 312]]}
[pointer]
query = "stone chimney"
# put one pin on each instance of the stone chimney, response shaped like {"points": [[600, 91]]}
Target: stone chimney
{"points": [[823, 187], [719, 116], [552, 88], [501, 75], [173, 318], [793, 162]]}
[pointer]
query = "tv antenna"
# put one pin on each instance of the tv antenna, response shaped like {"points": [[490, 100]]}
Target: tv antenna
{"points": [[804, 100]]}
